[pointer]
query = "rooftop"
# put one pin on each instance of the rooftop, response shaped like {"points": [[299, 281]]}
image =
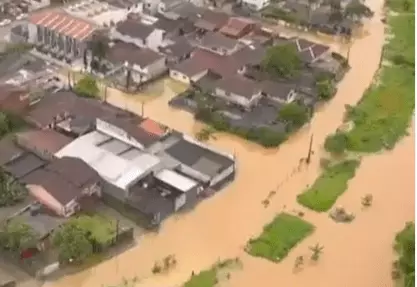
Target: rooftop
{"points": [[23, 165], [43, 140], [134, 29], [239, 85], [219, 41], [176, 180], [63, 23], [235, 26], [180, 48], [211, 20], [124, 52], [9, 150]]}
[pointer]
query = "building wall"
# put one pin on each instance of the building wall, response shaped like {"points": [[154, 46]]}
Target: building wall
{"points": [[237, 99], [222, 175], [179, 76], [289, 99], [153, 42], [46, 199], [256, 4]]}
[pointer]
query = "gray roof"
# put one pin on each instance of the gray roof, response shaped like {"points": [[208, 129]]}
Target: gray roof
{"points": [[276, 89], [217, 40], [24, 165], [250, 55], [239, 85], [8, 151], [199, 158], [180, 48], [124, 52], [134, 29]]}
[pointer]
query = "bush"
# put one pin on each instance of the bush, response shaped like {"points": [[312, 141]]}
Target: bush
{"points": [[16, 236], [336, 144], [294, 114], [405, 246], [12, 191], [329, 186], [87, 87], [278, 237]]}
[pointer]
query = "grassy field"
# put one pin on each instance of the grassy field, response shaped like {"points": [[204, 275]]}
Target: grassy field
{"points": [[278, 237], [210, 278], [383, 115], [329, 186]]}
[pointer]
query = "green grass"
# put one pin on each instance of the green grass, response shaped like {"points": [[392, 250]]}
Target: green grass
{"points": [[384, 113], [278, 237], [329, 186], [209, 278]]}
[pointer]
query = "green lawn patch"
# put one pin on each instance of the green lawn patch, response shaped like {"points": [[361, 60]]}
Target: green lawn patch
{"points": [[278, 237], [329, 186], [100, 228], [384, 113], [210, 278]]}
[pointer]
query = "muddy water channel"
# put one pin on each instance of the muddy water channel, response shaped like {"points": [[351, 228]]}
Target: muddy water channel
{"points": [[357, 254]]}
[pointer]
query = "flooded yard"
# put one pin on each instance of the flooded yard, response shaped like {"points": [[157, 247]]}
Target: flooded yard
{"points": [[359, 253]]}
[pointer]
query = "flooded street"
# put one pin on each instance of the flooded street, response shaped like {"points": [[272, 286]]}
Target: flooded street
{"points": [[357, 254]]}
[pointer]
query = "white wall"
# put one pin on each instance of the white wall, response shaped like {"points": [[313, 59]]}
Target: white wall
{"points": [[289, 98], [117, 133], [179, 76], [180, 201], [153, 42], [256, 4], [32, 33], [200, 144], [237, 99], [225, 173]]}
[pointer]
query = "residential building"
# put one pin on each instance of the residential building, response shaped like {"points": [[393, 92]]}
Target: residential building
{"points": [[43, 143], [104, 13], [255, 5], [183, 10], [238, 27], [177, 52], [61, 184], [211, 21], [310, 52], [144, 64], [239, 90], [280, 92], [219, 44], [166, 5], [59, 33], [142, 35], [13, 99]]}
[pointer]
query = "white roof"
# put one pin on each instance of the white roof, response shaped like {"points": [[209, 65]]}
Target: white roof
{"points": [[176, 180], [113, 168]]}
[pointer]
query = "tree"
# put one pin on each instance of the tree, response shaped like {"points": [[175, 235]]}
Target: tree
{"points": [[294, 114], [316, 250], [5, 125], [11, 191], [336, 143], [356, 10], [324, 89], [85, 60], [72, 243], [282, 61], [87, 87], [16, 236], [405, 246], [99, 46]]}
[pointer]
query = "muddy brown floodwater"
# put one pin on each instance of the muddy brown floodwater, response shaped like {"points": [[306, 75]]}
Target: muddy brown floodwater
{"points": [[357, 254]]}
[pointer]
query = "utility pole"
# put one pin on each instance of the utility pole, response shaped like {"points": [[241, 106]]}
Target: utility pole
{"points": [[105, 93], [142, 108], [310, 150]]}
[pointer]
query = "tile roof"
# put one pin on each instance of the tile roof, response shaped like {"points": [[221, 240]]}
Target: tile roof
{"points": [[180, 48], [235, 26], [63, 23], [134, 29], [43, 140], [212, 20], [239, 85], [217, 40], [153, 127], [9, 150], [124, 52]]}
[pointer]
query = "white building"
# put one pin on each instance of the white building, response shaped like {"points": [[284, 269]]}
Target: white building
{"points": [[255, 5]]}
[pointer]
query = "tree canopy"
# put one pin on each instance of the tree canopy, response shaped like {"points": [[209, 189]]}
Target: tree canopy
{"points": [[282, 61], [294, 114], [405, 246], [87, 87], [11, 191], [16, 236], [73, 243]]}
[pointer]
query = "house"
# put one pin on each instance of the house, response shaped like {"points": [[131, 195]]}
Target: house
{"points": [[201, 61], [174, 28], [166, 5], [255, 5], [249, 57], [211, 21], [178, 51], [62, 183], [184, 10], [219, 44], [43, 143], [309, 52], [144, 64], [239, 90], [59, 33], [280, 92], [237, 27], [135, 32]]}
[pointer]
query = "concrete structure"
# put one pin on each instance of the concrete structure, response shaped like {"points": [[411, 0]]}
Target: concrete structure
{"points": [[60, 33]]}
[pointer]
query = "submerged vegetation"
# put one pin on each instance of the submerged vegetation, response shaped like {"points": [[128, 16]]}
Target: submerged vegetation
{"points": [[405, 247], [278, 237]]}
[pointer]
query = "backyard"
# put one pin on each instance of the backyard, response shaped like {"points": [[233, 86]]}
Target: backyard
{"points": [[279, 237]]}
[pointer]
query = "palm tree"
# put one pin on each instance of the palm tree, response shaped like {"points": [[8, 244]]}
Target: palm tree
{"points": [[299, 261], [316, 250]]}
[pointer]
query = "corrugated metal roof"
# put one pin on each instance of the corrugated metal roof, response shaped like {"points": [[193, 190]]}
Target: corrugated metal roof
{"points": [[176, 180]]}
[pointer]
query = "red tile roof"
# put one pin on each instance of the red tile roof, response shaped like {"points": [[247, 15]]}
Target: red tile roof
{"points": [[153, 127], [63, 23], [235, 26]]}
